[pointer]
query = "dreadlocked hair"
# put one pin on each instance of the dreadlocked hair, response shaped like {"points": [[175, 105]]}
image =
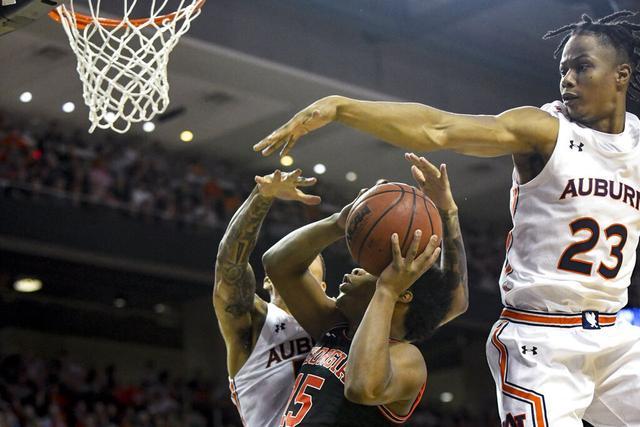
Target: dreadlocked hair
{"points": [[623, 35]]}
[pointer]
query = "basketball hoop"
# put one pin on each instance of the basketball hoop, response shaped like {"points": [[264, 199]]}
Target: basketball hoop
{"points": [[122, 63]]}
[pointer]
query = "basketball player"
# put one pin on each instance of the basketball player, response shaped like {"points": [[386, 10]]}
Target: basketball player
{"points": [[556, 353], [263, 341], [364, 370]]}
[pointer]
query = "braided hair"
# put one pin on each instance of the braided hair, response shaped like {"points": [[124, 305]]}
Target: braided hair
{"points": [[623, 35]]}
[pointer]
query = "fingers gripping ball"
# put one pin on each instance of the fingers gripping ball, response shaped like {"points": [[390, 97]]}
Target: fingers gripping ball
{"points": [[383, 210]]}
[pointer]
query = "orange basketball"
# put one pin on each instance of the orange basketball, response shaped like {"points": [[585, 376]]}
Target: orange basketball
{"points": [[383, 210]]}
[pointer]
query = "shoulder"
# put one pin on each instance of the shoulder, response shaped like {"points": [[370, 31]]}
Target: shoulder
{"points": [[407, 356], [548, 113], [537, 127], [260, 308]]}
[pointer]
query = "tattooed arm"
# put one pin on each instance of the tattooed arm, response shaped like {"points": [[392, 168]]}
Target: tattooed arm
{"points": [[434, 183], [454, 264], [240, 312]]}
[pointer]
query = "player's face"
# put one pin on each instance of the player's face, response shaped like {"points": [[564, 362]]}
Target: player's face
{"points": [[588, 70], [356, 290]]}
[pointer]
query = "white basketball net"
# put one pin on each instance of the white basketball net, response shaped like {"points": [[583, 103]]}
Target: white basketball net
{"points": [[123, 69]]}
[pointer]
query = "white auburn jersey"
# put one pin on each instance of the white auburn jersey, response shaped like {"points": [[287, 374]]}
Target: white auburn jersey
{"points": [[261, 388], [575, 225]]}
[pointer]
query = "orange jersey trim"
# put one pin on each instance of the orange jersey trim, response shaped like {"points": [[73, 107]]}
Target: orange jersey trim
{"points": [[400, 419], [535, 399], [543, 319], [236, 400]]}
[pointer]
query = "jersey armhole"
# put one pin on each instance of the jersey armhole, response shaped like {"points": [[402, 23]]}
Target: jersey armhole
{"points": [[547, 169], [262, 328]]}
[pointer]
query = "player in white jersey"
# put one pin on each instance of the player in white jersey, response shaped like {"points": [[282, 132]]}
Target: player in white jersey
{"points": [[264, 342], [556, 354]]}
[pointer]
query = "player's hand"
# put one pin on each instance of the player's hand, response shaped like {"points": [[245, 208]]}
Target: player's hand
{"points": [[309, 119], [404, 271], [341, 221], [433, 182], [285, 186]]}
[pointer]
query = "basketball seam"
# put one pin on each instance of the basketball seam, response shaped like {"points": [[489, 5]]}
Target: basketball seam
{"points": [[413, 213], [421, 195], [366, 237], [370, 196]]}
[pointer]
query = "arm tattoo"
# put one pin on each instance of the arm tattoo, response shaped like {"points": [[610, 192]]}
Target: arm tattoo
{"points": [[454, 259], [234, 276]]}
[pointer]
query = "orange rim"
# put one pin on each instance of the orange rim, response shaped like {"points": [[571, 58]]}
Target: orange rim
{"points": [[84, 20]]}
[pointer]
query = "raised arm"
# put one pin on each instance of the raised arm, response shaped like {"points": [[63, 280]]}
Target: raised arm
{"points": [[434, 183], [287, 262], [234, 299], [418, 127], [382, 372]]}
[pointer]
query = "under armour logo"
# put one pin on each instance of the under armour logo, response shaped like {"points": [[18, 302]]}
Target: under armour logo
{"points": [[579, 145], [533, 349], [590, 320], [281, 327]]}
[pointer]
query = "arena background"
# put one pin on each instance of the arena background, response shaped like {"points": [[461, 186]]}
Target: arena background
{"points": [[123, 230]]}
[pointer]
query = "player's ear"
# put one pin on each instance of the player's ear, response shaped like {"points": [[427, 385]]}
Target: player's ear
{"points": [[406, 297], [623, 74], [323, 285]]}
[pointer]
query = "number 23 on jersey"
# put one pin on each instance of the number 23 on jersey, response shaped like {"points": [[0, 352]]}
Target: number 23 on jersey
{"points": [[616, 234]]}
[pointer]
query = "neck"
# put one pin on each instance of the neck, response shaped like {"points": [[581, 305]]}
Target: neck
{"points": [[279, 302], [397, 331], [613, 123]]}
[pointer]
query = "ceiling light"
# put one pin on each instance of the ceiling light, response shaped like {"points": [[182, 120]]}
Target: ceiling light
{"points": [[186, 136], [286, 160], [68, 107], [319, 168], [26, 97], [351, 176], [446, 397], [160, 308], [148, 127], [27, 284]]}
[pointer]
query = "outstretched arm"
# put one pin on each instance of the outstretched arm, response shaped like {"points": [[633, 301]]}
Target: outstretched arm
{"points": [[434, 183], [234, 298], [287, 262], [419, 127], [380, 372]]}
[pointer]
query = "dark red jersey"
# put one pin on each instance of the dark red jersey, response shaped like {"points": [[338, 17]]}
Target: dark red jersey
{"points": [[317, 398]]}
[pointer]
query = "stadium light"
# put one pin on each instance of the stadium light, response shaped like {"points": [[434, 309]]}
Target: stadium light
{"points": [[319, 168], [119, 302], [186, 136], [148, 127], [446, 397], [27, 284], [26, 97], [68, 107]]}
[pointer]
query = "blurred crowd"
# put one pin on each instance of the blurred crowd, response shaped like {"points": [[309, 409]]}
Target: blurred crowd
{"points": [[138, 177], [62, 392]]}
